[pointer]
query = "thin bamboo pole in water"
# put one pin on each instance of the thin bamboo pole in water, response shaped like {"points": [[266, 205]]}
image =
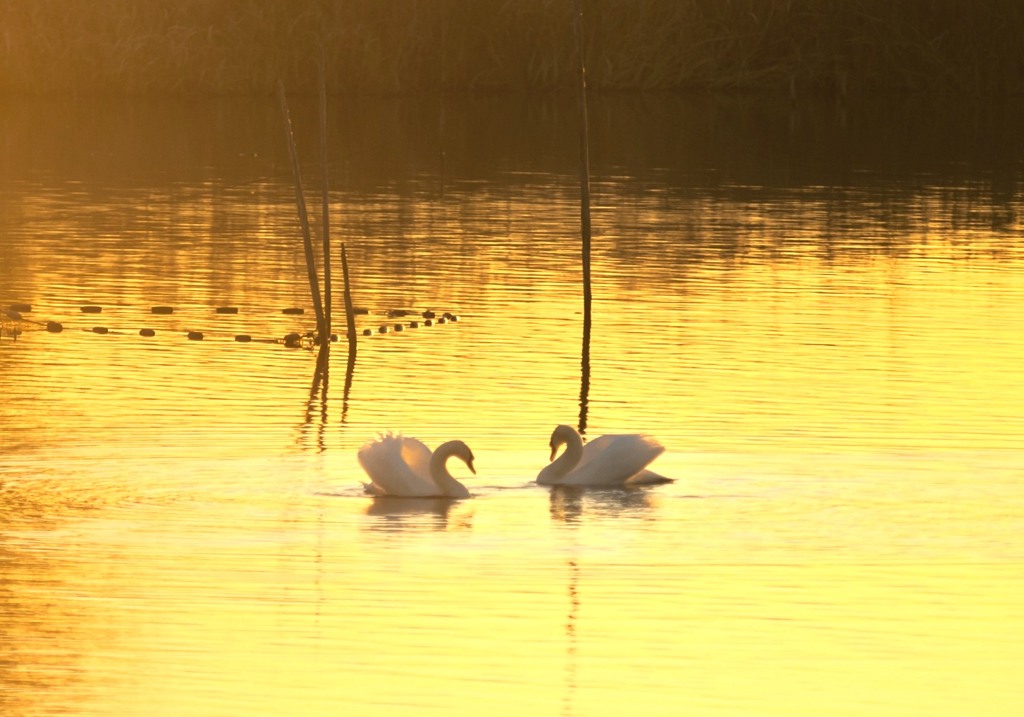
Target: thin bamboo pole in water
{"points": [[350, 315], [581, 96], [300, 202], [326, 333], [350, 319]]}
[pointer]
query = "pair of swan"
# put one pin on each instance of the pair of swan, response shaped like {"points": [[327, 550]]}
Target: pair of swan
{"points": [[401, 466]]}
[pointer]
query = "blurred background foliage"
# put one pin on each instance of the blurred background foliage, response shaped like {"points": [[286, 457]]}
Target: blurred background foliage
{"points": [[428, 46]]}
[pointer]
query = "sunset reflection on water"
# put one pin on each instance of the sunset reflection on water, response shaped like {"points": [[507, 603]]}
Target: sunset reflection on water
{"points": [[832, 365]]}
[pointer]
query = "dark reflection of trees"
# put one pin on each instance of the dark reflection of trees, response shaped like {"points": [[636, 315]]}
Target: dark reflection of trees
{"points": [[687, 173]]}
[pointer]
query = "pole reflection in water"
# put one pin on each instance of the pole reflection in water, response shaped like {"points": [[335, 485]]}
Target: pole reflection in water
{"points": [[318, 393], [571, 620], [565, 506], [320, 388], [350, 369], [585, 369]]}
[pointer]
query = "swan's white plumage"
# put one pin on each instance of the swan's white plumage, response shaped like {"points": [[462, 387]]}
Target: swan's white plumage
{"points": [[397, 465], [605, 461], [402, 466]]}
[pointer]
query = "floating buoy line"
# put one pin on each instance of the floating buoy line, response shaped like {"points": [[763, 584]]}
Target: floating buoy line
{"points": [[14, 319]]}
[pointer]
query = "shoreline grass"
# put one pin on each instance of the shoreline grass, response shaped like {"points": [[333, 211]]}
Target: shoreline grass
{"points": [[433, 46]]}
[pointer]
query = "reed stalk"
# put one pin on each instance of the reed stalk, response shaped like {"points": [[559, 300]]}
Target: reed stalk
{"points": [[300, 202], [325, 200], [350, 314], [350, 319], [350, 370]]}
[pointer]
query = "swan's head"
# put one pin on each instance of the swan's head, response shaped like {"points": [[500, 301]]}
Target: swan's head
{"points": [[466, 456], [459, 450], [559, 437]]}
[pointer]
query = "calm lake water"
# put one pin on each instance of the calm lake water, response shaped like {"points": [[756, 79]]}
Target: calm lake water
{"points": [[819, 311]]}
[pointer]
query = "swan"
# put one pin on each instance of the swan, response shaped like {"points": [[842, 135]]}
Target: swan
{"points": [[614, 460], [402, 466]]}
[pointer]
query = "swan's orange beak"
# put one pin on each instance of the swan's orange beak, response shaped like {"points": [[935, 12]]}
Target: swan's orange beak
{"points": [[554, 451], [471, 468]]}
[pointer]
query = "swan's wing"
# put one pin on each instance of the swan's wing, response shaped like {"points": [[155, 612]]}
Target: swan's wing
{"points": [[646, 477], [614, 459], [593, 449], [416, 455], [392, 463], [372, 488], [549, 475]]}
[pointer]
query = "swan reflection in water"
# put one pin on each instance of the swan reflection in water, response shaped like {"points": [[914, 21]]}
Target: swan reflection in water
{"points": [[417, 514], [570, 503]]}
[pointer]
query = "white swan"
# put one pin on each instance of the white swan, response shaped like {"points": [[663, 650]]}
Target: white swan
{"points": [[614, 460], [404, 467]]}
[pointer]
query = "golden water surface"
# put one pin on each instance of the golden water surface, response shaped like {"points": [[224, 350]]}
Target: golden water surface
{"points": [[819, 315]]}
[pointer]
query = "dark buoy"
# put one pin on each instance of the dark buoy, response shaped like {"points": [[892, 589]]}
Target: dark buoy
{"points": [[382, 330], [442, 320], [100, 329], [367, 332], [428, 314], [294, 311], [90, 309], [195, 335], [448, 315], [398, 313], [428, 322], [54, 327], [243, 338], [21, 307], [334, 338], [293, 340], [227, 309], [454, 318], [147, 332], [414, 324], [162, 310], [399, 327]]}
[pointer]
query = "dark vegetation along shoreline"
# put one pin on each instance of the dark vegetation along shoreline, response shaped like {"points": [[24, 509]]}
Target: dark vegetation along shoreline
{"points": [[409, 46]]}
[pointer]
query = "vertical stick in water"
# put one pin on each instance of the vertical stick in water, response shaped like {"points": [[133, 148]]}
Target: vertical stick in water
{"points": [[300, 202], [326, 333], [350, 369], [350, 315], [350, 320], [584, 212]]}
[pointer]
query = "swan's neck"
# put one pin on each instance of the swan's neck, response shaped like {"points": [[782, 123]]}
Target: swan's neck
{"points": [[563, 465], [446, 484]]}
